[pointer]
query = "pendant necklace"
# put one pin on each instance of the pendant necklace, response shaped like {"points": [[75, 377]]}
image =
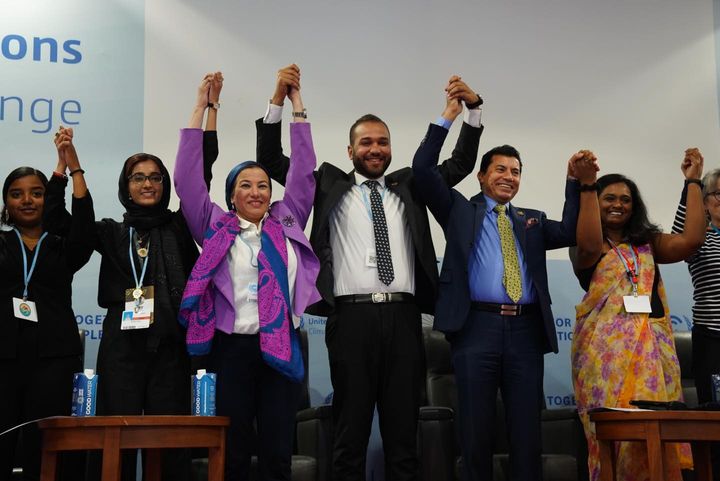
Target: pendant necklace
{"points": [[140, 247]]}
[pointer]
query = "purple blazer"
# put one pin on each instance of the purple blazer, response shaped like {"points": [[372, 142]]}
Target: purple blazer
{"points": [[292, 212]]}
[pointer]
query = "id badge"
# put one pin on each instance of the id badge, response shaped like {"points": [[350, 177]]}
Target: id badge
{"points": [[139, 308], [637, 303], [24, 309], [370, 258], [252, 292]]}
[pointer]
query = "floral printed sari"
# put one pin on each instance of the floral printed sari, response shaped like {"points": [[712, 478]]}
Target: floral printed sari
{"points": [[619, 356]]}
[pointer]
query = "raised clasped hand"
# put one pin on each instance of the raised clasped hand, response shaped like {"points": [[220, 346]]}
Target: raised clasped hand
{"points": [[66, 150], [216, 84], [692, 164], [288, 78], [204, 91], [583, 166]]}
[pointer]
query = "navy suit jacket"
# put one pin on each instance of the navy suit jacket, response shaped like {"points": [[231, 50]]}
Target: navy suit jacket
{"points": [[462, 221]]}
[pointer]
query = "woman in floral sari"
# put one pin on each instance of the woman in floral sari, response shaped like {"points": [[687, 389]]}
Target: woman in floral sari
{"points": [[622, 345]]}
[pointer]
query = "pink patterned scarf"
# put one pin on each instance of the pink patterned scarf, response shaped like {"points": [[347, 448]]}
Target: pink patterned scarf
{"points": [[279, 343]]}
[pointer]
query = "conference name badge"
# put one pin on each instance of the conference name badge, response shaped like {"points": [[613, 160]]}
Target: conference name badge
{"points": [[252, 292], [139, 308], [24, 309], [370, 258], [637, 304]]}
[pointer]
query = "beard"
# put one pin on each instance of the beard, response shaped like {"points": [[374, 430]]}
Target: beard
{"points": [[371, 171]]}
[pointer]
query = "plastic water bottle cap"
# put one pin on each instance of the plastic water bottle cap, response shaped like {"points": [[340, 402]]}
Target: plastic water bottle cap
{"points": [[201, 372], [89, 372]]}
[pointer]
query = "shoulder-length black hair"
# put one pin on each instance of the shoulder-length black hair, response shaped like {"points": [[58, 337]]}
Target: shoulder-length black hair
{"points": [[12, 177], [639, 229]]}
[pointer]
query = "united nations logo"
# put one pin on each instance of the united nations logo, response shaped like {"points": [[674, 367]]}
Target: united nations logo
{"points": [[24, 309], [288, 221]]}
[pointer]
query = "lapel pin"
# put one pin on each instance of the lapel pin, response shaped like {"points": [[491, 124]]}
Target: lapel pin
{"points": [[288, 221]]}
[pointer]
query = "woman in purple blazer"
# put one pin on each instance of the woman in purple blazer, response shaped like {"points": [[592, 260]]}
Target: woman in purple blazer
{"points": [[247, 291]]}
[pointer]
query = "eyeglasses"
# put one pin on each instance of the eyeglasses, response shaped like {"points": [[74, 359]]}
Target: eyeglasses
{"points": [[141, 178], [715, 194]]}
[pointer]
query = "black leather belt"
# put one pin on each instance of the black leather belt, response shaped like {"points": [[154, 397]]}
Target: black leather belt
{"points": [[506, 309], [376, 298]]}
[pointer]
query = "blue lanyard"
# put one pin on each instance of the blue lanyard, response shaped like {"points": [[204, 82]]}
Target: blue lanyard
{"points": [[28, 274], [366, 201], [252, 251], [717, 231], [138, 282]]}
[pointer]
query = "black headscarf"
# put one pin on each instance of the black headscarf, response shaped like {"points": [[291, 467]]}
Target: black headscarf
{"points": [[140, 217], [172, 250]]}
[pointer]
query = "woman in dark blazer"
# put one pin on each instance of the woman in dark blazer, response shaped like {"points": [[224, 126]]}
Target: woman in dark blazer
{"points": [[40, 347]]}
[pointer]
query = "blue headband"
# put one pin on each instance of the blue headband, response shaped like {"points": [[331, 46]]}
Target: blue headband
{"points": [[232, 176]]}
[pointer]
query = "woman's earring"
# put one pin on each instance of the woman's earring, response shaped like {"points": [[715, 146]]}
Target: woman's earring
{"points": [[232, 205]]}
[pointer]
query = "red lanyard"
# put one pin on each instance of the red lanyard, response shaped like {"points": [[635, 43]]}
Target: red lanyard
{"points": [[632, 266]]}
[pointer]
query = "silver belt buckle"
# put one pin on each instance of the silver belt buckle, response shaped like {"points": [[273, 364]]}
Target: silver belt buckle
{"points": [[378, 297]]}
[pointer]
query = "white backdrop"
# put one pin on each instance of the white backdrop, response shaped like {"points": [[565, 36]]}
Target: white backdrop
{"points": [[634, 81]]}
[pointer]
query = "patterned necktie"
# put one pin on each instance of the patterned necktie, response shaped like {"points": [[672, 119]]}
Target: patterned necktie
{"points": [[511, 273], [382, 243]]}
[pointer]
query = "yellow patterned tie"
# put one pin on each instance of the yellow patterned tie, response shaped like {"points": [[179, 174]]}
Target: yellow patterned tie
{"points": [[511, 274]]}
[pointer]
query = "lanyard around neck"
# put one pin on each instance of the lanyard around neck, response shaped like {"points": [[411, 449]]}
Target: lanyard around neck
{"points": [[366, 200], [717, 231], [253, 255], [27, 274], [138, 282], [632, 266]]}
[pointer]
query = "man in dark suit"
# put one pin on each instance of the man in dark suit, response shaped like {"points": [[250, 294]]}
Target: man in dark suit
{"points": [[494, 303], [378, 273]]}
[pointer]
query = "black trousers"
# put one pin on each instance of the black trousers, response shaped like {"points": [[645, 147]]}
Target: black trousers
{"points": [[252, 393], [706, 361], [34, 388], [136, 381], [505, 352], [376, 358]]}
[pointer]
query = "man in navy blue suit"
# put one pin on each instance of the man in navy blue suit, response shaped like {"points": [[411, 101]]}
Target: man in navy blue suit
{"points": [[497, 317]]}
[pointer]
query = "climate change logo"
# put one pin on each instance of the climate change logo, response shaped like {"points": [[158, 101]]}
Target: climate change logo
{"points": [[24, 309]]}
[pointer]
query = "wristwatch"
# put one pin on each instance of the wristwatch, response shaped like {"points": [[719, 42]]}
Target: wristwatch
{"points": [[214, 105]]}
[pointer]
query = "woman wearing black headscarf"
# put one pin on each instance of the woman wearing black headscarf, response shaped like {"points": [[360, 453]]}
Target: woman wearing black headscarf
{"points": [[146, 259]]}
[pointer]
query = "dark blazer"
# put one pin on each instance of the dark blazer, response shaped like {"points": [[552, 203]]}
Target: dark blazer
{"points": [[59, 258], [333, 183], [462, 221]]}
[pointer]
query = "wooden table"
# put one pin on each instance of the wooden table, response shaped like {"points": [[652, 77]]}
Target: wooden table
{"points": [[699, 428], [113, 433]]}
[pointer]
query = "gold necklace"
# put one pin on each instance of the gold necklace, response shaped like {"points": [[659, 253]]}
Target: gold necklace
{"points": [[140, 248]]}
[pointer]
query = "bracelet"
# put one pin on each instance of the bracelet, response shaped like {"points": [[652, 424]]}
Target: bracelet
{"points": [[476, 104], [59, 175], [694, 181], [213, 105], [594, 187], [302, 115], [73, 172]]}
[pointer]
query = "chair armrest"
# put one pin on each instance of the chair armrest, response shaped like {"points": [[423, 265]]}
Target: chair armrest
{"points": [[437, 450], [315, 437], [562, 433], [435, 413], [316, 412]]}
